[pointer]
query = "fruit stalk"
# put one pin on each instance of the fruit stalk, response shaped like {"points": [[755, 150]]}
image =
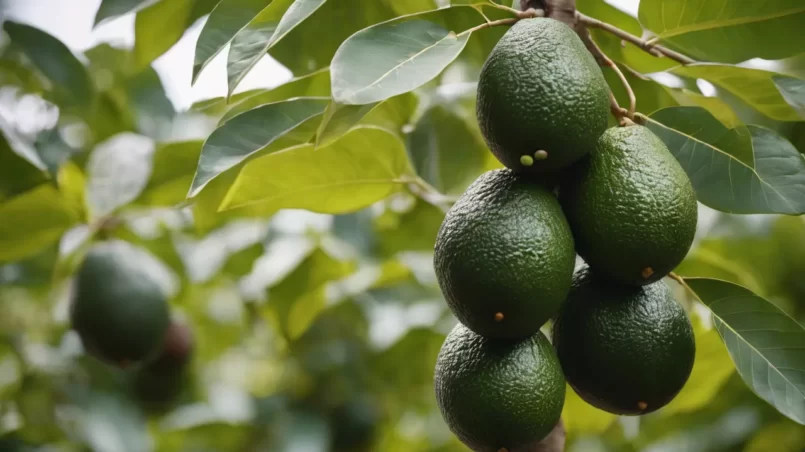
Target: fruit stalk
{"points": [[561, 10], [624, 116]]}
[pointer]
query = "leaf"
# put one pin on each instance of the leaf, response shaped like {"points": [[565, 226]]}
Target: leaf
{"points": [[581, 418], [412, 230], [173, 170], [227, 19], [19, 171], [111, 9], [446, 152], [729, 31], [247, 133], [711, 369], [252, 42], [767, 346], [390, 59], [55, 61], [299, 11], [118, 170], [391, 114], [702, 146], [651, 96], [753, 86], [793, 91], [364, 166], [40, 217], [316, 84], [158, 27]]}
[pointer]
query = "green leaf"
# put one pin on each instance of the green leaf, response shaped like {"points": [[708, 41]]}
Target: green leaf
{"points": [[765, 344], [227, 19], [412, 230], [391, 114], [240, 263], [247, 133], [252, 42], [299, 11], [711, 369], [753, 86], [392, 58], [446, 152], [729, 31], [40, 216], [173, 169], [118, 170], [55, 61], [702, 145], [364, 166], [111, 9], [158, 27], [793, 91], [20, 168], [316, 84]]}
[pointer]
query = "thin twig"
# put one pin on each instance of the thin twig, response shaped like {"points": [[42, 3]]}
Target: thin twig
{"points": [[430, 194], [494, 23], [621, 114], [647, 45], [481, 12], [677, 278], [530, 12]]}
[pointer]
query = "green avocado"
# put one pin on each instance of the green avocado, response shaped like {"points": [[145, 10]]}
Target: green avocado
{"points": [[542, 99], [499, 395], [631, 206], [504, 256], [624, 349], [118, 307]]}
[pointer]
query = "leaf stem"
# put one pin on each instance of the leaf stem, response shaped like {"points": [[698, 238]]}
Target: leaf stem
{"points": [[494, 23], [624, 116], [648, 45], [431, 195]]}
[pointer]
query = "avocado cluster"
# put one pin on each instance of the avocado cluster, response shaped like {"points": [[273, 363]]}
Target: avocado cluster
{"points": [[120, 311], [506, 252]]}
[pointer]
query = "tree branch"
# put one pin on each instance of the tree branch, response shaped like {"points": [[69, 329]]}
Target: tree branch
{"points": [[647, 45], [624, 117]]}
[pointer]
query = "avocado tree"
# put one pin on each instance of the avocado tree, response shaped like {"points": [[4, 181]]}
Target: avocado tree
{"points": [[256, 272]]}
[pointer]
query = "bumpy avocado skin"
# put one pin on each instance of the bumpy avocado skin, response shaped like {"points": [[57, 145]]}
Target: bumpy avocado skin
{"points": [[631, 206], [504, 256], [624, 349], [541, 89], [118, 308], [497, 395]]}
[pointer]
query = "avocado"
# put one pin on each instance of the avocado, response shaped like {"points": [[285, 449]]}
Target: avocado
{"points": [[504, 256], [118, 307], [499, 395], [542, 99], [624, 349], [631, 206]]}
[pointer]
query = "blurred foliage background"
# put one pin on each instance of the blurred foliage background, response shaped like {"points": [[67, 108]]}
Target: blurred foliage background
{"points": [[314, 332]]}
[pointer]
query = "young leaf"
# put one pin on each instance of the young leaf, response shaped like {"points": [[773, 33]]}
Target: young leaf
{"points": [[364, 166], [767, 346], [40, 217], [392, 58], [55, 61], [753, 86], [391, 114], [338, 119], [730, 31], [249, 132], [111, 9], [158, 27], [227, 19], [702, 145]]}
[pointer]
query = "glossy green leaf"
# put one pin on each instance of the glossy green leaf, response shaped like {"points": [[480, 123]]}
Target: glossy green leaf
{"points": [[753, 86], [446, 152], [793, 91], [316, 84], [55, 61], [227, 19], [392, 58], [40, 216], [766, 345], [364, 166], [711, 369], [391, 114], [117, 171], [158, 27], [173, 169], [728, 31], [111, 9], [702, 145], [252, 42], [249, 132], [20, 168]]}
